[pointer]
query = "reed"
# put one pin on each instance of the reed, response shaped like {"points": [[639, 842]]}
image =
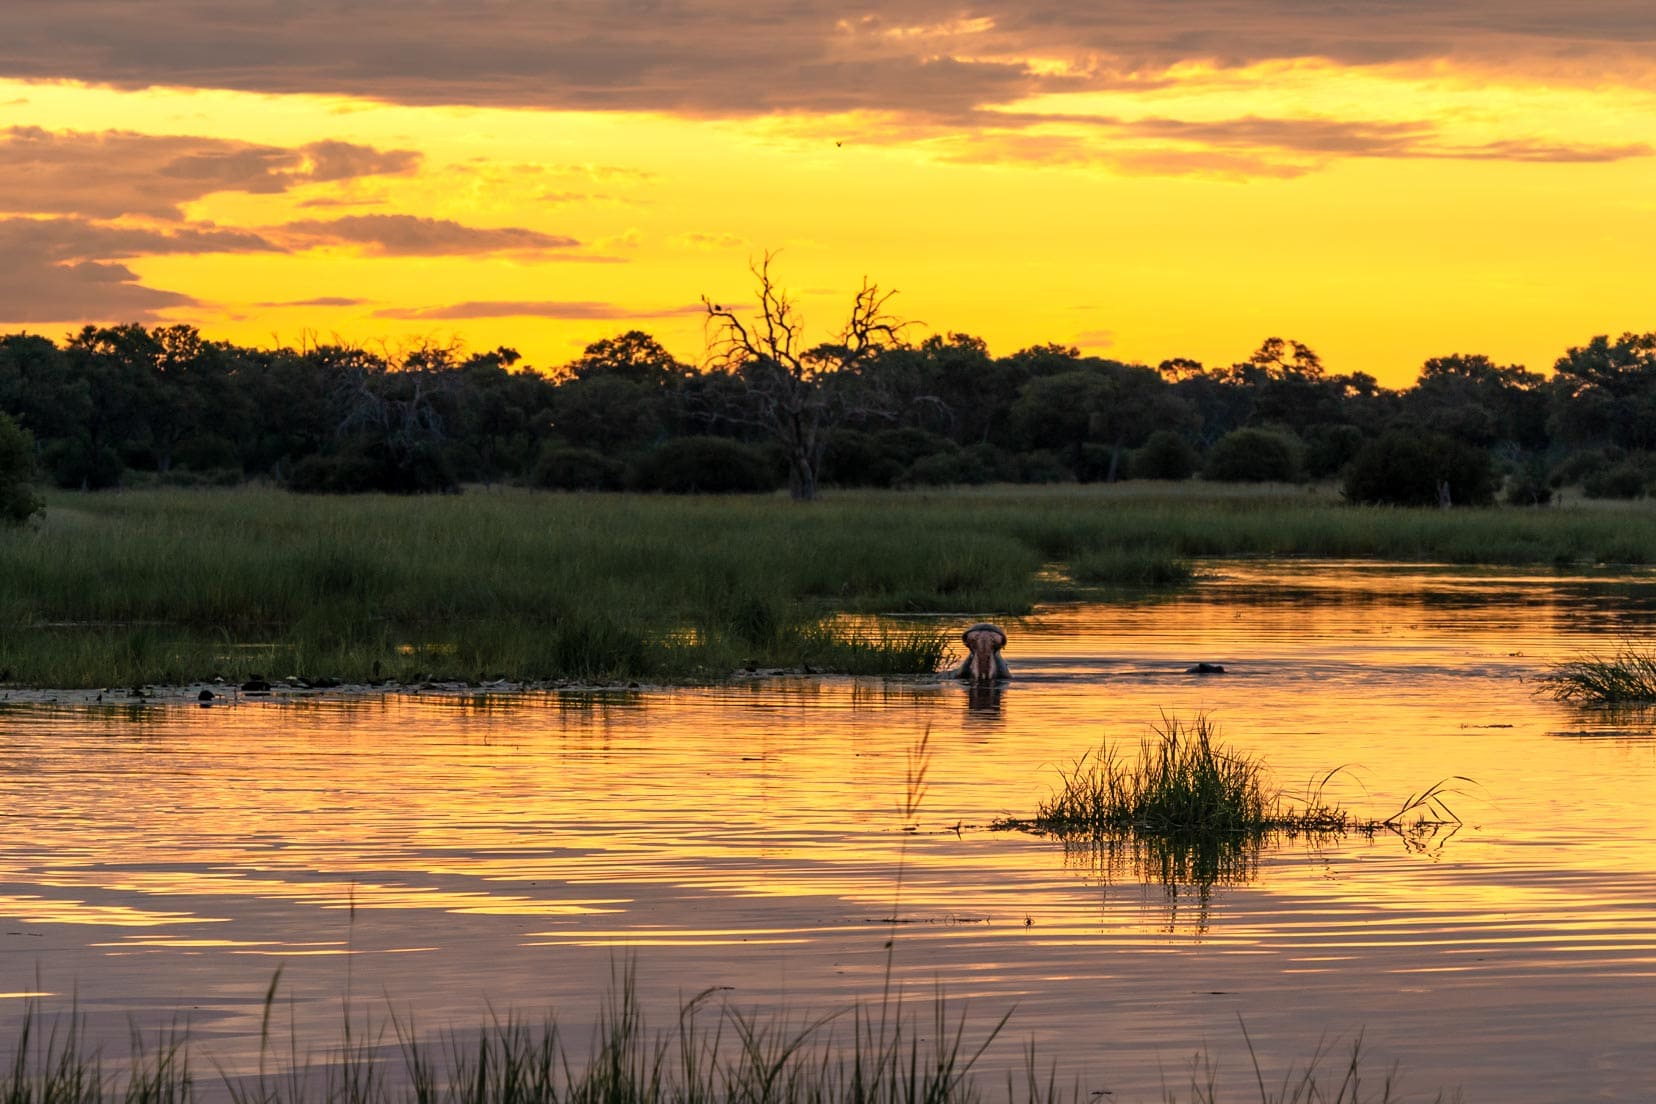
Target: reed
{"points": [[170, 585], [1192, 811], [713, 1054], [1183, 781], [1627, 677]]}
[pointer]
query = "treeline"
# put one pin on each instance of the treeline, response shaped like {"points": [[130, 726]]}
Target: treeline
{"points": [[127, 405]]}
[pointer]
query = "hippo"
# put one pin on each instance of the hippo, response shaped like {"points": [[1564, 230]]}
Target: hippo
{"points": [[983, 663]]}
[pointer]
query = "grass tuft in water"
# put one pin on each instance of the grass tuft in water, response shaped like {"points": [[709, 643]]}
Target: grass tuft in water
{"points": [[1190, 809], [1184, 780], [1626, 677]]}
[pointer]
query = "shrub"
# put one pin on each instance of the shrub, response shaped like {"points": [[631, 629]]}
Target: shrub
{"points": [[1329, 447], [705, 465], [18, 501], [1164, 455], [1627, 479], [1095, 463], [563, 468], [1405, 467], [1527, 485], [366, 469], [76, 465], [1040, 466], [1579, 466], [1254, 456], [978, 464], [856, 458]]}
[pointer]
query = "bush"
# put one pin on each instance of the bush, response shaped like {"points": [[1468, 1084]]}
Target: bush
{"points": [[1527, 485], [1164, 455], [978, 464], [856, 458], [1095, 463], [1627, 479], [1254, 456], [1040, 466], [1409, 468], [1578, 467], [1329, 447], [562, 468], [366, 469], [18, 501], [705, 465], [76, 465]]}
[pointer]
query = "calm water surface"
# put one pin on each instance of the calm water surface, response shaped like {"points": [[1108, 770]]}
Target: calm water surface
{"points": [[444, 857]]}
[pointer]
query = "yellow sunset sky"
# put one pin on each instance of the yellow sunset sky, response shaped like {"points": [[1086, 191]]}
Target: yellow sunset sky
{"points": [[1385, 181]]}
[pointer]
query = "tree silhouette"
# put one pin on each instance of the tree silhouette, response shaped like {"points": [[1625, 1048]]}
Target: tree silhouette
{"points": [[799, 393]]}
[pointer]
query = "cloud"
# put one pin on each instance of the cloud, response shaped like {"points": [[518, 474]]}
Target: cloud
{"points": [[941, 58], [1242, 147], [565, 310], [37, 293], [49, 275], [54, 240], [415, 236], [65, 269], [113, 173], [318, 301], [709, 242]]}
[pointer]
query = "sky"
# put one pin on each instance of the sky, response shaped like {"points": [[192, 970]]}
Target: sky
{"points": [[1384, 180]]}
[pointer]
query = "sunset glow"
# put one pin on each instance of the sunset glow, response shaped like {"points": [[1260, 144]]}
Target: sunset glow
{"points": [[1167, 180]]}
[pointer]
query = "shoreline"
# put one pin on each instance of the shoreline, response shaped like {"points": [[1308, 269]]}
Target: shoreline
{"points": [[218, 693]]}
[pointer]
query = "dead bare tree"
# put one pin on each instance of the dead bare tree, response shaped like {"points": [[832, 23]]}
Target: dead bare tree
{"points": [[797, 393]]}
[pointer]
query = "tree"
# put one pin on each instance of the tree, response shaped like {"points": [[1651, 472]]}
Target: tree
{"points": [[798, 394], [17, 500], [1473, 399], [1605, 392], [1405, 467], [1254, 456]]}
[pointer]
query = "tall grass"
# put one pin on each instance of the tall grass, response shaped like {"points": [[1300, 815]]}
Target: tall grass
{"points": [[1627, 677], [713, 1053], [1190, 810], [175, 585]]}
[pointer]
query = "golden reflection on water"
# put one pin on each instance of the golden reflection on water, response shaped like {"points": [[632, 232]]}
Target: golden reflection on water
{"points": [[477, 851]]}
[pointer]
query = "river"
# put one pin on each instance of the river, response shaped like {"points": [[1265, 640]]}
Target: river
{"points": [[445, 857]]}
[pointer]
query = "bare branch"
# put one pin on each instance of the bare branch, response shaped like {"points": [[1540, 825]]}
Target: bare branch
{"points": [[800, 394]]}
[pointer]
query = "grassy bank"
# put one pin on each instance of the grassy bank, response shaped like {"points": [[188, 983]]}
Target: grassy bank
{"points": [[169, 586]]}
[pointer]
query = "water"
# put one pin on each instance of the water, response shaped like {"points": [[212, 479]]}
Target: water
{"points": [[442, 856]]}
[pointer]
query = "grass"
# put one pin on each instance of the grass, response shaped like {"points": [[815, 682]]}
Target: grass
{"points": [[1192, 811], [713, 1054], [170, 586], [1627, 677]]}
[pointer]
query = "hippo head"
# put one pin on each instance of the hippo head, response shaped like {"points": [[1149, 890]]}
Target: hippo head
{"points": [[983, 641]]}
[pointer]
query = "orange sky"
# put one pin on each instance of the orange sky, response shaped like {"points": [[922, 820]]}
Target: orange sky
{"points": [[1147, 180]]}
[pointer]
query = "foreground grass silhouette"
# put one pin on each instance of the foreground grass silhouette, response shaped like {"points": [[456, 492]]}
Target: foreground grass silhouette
{"points": [[890, 1052]]}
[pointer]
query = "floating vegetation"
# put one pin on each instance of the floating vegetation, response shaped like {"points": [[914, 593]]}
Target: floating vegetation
{"points": [[1628, 676], [1191, 811]]}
